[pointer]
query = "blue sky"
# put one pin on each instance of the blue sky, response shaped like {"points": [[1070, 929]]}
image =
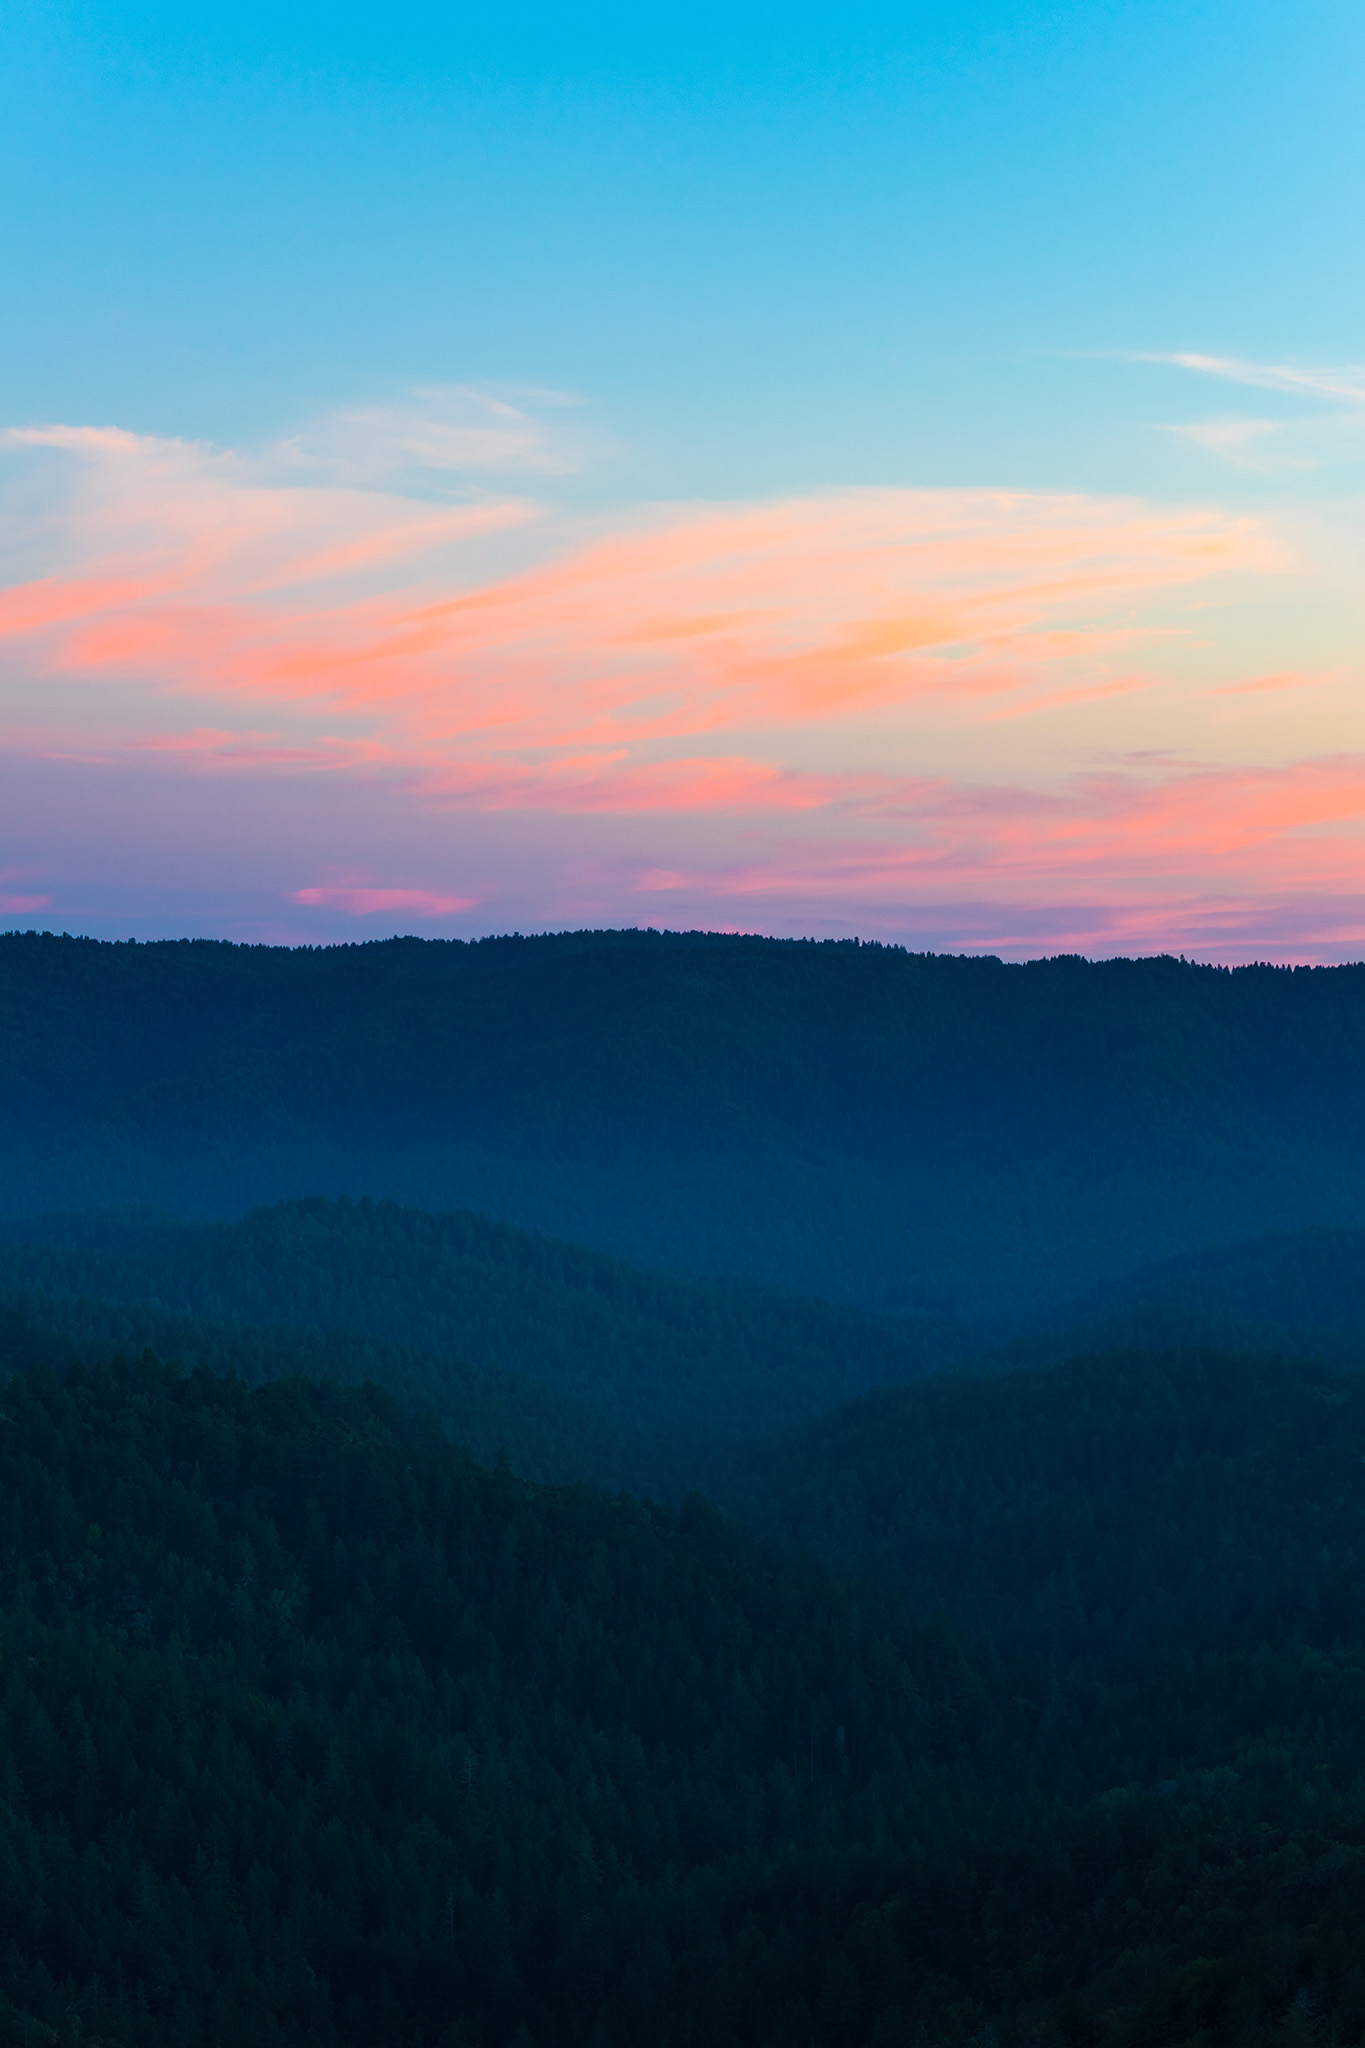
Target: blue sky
{"points": [[768, 248], [739, 256]]}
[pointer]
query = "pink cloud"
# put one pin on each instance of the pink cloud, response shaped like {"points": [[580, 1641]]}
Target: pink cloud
{"points": [[197, 578], [18, 902], [1251, 832], [213, 747], [860, 702], [55, 600], [362, 902]]}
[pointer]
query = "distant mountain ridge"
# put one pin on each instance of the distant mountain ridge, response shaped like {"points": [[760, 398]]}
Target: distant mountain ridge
{"points": [[948, 1136]]}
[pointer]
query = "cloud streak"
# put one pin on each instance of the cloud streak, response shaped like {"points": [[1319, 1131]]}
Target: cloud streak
{"points": [[1295, 442], [358, 900], [850, 704], [436, 432], [1346, 384], [1297, 827], [617, 663]]}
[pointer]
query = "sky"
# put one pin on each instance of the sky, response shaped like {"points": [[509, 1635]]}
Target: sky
{"points": [[895, 472]]}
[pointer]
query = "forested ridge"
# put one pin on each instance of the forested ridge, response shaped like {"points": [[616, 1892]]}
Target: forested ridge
{"points": [[315, 1729], [713, 1357], [1010, 1696], [952, 1136], [1170, 1546], [581, 1365]]}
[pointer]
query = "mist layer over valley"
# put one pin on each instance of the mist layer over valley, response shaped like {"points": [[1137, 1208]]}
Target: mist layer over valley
{"points": [[928, 1135]]}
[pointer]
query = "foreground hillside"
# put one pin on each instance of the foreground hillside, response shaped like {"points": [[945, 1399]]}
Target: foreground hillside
{"points": [[1168, 1546], [939, 1134], [313, 1731], [1140, 1923]]}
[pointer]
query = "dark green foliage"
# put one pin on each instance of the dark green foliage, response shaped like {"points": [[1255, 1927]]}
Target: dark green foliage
{"points": [[937, 1134], [1168, 1548], [547, 1431], [1138, 1924], [312, 1728]]}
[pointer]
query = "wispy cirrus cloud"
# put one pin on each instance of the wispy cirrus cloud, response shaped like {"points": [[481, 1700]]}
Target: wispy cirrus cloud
{"points": [[165, 521], [1344, 384], [438, 433], [1296, 440], [1143, 849], [843, 705], [612, 669]]}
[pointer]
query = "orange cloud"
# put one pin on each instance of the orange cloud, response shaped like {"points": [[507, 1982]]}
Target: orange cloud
{"points": [[355, 618], [1285, 679], [862, 701]]}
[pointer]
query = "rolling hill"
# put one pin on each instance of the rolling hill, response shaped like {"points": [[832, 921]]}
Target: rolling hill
{"points": [[579, 1364], [937, 1135]]}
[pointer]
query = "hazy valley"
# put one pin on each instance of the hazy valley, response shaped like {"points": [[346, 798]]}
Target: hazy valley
{"points": [[628, 1487]]}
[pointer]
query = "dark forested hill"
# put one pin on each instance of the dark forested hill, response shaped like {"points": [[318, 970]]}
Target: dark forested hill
{"points": [[312, 1730], [542, 1429], [720, 1357], [1168, 1547], [942, 1134], [1140, 1923], [576, 1364]]}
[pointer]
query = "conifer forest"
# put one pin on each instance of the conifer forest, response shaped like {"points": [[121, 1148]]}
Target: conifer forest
{"points": [[635, 1487]]}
